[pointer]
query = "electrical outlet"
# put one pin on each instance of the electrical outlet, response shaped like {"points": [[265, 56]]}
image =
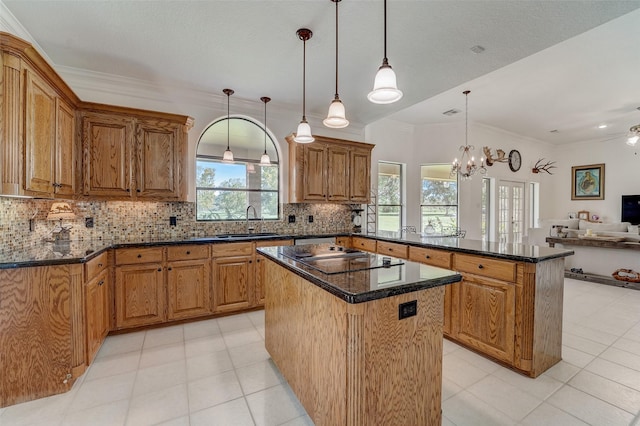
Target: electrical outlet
{"points": [[310, 218], [408, 309], [292, 218], [88, 222], [173, 221]]}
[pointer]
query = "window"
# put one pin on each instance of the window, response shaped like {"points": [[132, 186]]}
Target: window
{"points": [[439, 199], [225, 190], [486, 210], [390, 189]]}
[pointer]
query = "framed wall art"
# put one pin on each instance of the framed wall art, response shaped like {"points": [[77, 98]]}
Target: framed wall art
{"points": [[587, 182]]}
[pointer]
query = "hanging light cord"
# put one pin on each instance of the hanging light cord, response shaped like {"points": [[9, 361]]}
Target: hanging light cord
{"points": [[304, 79], [228, 121], [265, 124], [337, 96], [466, 117], [385, 61]]}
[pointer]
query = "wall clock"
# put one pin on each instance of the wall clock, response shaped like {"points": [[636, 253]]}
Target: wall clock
{"points": [[515, 161]]}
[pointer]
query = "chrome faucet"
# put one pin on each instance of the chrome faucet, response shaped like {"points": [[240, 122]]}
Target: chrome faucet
{"points": [[255, 216]]}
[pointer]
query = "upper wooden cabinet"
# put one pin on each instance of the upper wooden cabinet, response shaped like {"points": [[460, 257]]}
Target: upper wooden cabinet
{"points": [[129, 157], [329, 170], [54, 145]]}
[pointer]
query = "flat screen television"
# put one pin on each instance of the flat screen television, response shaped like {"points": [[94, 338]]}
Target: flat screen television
{"points": [[631, 209]]}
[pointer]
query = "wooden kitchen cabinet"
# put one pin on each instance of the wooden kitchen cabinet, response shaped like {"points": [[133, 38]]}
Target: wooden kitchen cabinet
{"points": [[49, 140], [232, 279], [259, 270], [96, 313], [329, 170], [188, 281], [140, 292]]}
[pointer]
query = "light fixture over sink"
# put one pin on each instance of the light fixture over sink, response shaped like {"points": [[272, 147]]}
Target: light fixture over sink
{"points": [[228, 155], [265, 160], [303, 134], [336, 118], [385, 88]]}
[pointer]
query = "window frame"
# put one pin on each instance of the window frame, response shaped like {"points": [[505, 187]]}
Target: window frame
{"points": [[422, 205]]}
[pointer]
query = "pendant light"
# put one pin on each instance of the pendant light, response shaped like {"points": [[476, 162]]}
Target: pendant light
{"points": [[265, 160], [303, 134], [385, 88], [336, 118], [228, 155]]}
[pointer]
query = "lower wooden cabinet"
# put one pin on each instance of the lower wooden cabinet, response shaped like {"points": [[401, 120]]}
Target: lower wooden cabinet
{"points": [[140, 295], [96, 313], [188, 283], [232, 281], [483, 314], [259, 279]]}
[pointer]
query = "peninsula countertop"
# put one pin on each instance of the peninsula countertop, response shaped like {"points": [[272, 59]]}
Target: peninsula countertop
{"points": [[354, 285]]}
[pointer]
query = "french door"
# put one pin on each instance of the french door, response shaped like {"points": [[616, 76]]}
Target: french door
{"points": [[510, 208]]}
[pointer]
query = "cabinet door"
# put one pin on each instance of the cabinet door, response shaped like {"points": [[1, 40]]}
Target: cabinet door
{"points": [[96, 313], [338, 174], [359, 179], [158, 151], [106, 144], [484, 316], [40, 135], [188, 283], [140, 295], [65, 165], [231, 283], [314, 168]]}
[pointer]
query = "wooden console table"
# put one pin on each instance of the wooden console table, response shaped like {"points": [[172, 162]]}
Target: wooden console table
{"points": [[602, 242]]}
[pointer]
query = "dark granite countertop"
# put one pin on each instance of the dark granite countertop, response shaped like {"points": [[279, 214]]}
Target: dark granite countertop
{"points": [[365, 285], [81, 251]]}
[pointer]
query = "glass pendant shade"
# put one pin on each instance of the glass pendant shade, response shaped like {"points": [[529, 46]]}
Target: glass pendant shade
{"points": [[337, 117], [227, 156], [265, 160], [303, 134], [385, 89]]}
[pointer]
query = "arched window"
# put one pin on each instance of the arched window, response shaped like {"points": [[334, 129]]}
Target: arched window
{"points": [[225, 190]]}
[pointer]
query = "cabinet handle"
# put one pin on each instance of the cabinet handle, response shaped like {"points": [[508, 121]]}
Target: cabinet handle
{"points": [[251, 261], [427, 257], [480, 266], [159, 269], [257, 260], [139, 256], [390, 249], [101, 282], [188, 252]]}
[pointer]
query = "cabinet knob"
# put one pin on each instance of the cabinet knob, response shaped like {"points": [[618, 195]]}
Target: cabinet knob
{"points": [[139, 256], [101, 282], [137, 190], [159, 269], [188, 252], [257, 260], [427, 256], [480, 266], [170, 268], [128, 190], [99, 265], [390, 249]]}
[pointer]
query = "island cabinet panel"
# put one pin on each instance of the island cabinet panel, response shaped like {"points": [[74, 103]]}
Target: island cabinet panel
{"points": [[485, 315], [41, 331], [232, 283], [259, 270], [140, 295], [356, 364]]}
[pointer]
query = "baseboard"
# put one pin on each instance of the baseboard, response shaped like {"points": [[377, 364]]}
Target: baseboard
{"points": [[601, 280]]}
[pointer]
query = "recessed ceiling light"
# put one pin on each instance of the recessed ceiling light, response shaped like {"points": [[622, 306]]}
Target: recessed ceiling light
{"points": [[602, 126]]}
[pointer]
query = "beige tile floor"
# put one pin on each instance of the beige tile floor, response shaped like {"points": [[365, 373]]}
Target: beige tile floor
{"points": [[217, 372]]}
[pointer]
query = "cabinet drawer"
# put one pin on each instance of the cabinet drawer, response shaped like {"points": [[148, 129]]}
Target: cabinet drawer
{"points": [[429, 256], [364, 244], [96, 265], [188, 252], [498, 269], [393, 249], [138, 255], [343, 241], [231, 249], [271, 243]]}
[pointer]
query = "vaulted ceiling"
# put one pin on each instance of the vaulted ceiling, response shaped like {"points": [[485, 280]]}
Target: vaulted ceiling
{"points": [[557, 65]]}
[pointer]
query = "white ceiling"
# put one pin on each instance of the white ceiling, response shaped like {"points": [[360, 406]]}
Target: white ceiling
{"points": [[546, 66]]}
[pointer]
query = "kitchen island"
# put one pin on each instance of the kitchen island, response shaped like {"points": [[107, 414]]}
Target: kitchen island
{"points": [[358, 336]]}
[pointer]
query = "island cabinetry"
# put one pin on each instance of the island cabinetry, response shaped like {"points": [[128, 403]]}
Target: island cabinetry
{"points": [[41, 331], [96, 305], [140, 293], [233, 276], [259, 273], [188, 281], [329, 170], [393, 249], [131, 157], [441, 259]]}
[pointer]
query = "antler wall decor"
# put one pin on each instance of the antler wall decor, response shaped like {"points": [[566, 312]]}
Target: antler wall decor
{"points": [[546, 167], [501, 156]]}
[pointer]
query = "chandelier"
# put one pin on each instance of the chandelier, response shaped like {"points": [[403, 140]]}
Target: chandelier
{"points": [[634, 135], [467, 167]]}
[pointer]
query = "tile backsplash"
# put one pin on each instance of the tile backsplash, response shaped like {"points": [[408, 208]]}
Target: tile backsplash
{"points": [[135, 221]]}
